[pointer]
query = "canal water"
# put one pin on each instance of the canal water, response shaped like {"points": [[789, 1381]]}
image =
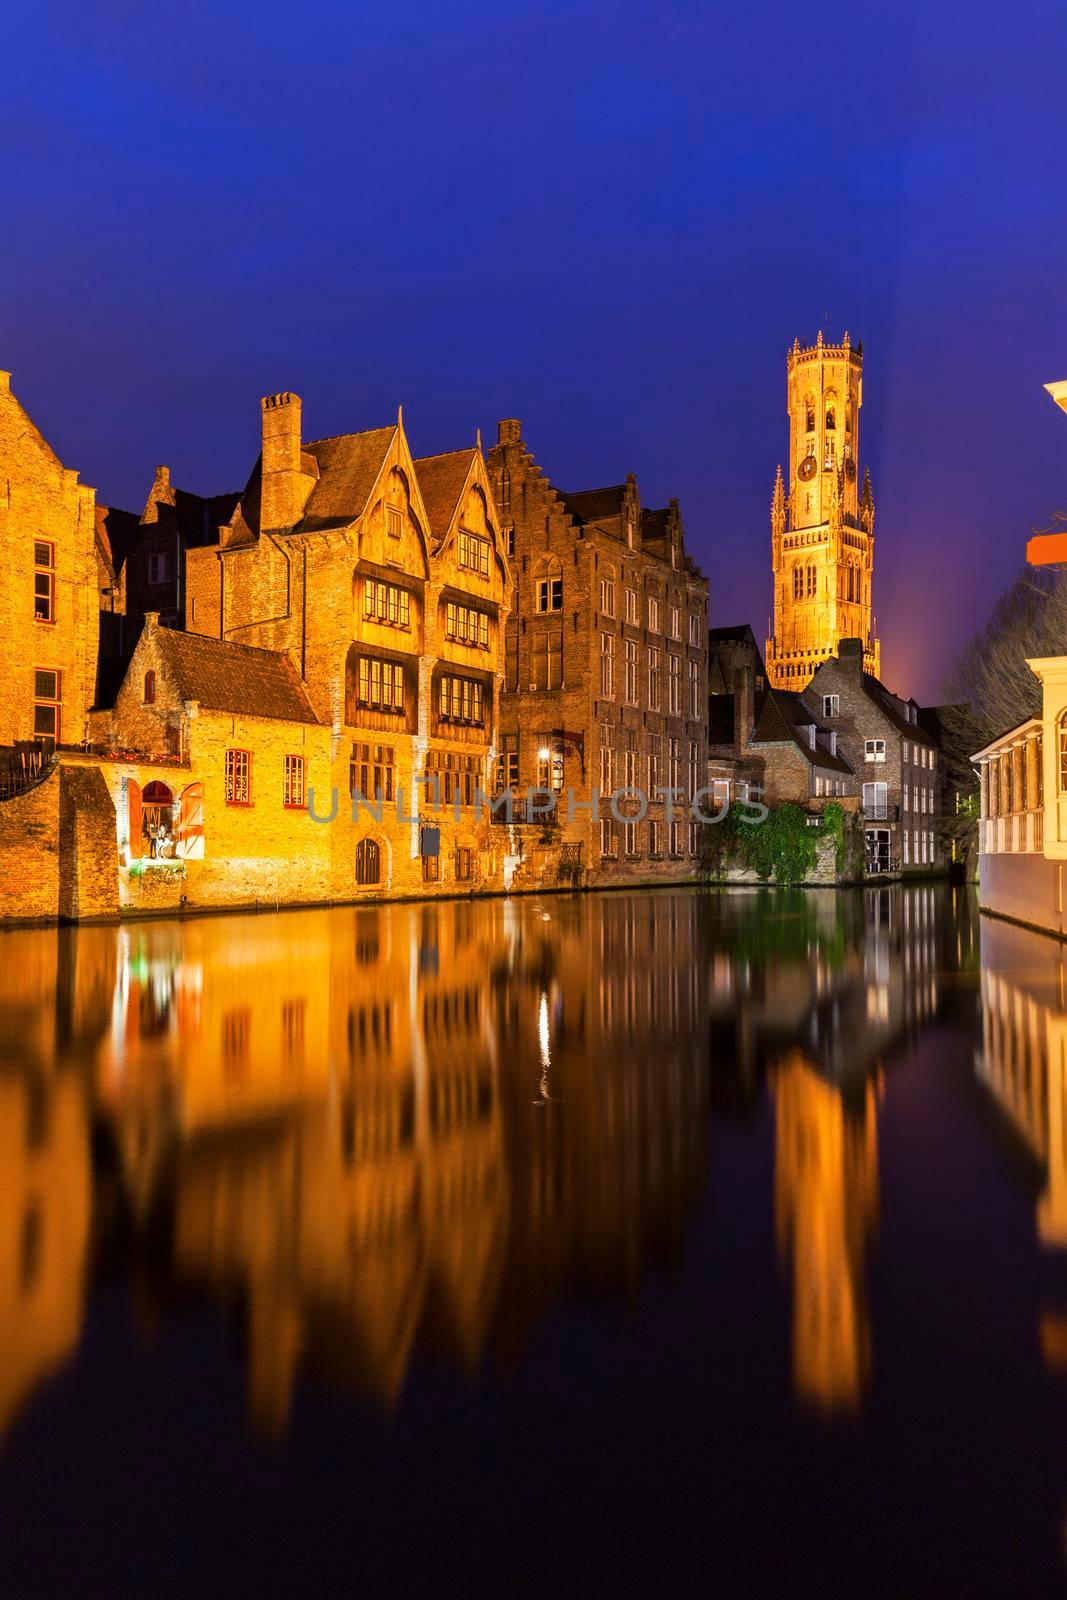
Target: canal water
{"points": [[669, 1242]]}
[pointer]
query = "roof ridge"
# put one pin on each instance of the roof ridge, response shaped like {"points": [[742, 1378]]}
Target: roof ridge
{"points": [[439, 455], [358, 433]]}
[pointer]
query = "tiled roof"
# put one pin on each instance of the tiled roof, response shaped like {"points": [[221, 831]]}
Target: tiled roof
{"points": [[224, 676], [596, 505], [441, 479], [348, 464], [877, 692], [781, 717]]}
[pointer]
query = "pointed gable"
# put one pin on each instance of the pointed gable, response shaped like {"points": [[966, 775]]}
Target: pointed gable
{"points": [[442, 480], [349, 465]]}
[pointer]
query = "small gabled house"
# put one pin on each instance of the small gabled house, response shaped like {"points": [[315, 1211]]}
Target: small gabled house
{"points": [[211, 752]]}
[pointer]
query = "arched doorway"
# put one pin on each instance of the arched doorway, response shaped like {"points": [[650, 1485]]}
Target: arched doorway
{"points": [[157, 819], [368, 863]]}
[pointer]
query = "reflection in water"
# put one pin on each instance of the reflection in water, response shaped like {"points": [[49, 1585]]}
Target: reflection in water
{"points": [[826, 1205], [323, 1121]]}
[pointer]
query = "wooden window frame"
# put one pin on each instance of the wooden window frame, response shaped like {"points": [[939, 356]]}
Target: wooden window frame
{"points": [[298, 766], [230, 778]]}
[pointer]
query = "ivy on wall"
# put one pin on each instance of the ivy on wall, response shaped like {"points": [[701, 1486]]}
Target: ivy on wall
{"points": [[784, 847]]}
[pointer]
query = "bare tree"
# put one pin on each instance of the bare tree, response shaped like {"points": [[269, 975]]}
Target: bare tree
{"points": [[991, 689]]}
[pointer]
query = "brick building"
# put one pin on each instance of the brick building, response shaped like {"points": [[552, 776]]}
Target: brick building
{"points": [[48, 587], [605, 682], [766, 739], [896, 759]]}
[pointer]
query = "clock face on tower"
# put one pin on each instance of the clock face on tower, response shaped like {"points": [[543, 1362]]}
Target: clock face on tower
{"points": [[806, 469]]}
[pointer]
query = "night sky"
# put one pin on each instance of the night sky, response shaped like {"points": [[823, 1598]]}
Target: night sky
{"points": [[609, 220]]}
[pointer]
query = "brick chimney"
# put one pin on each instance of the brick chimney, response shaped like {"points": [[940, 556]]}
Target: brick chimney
{"points": [[850, 655], [285, 488], [744, 704], [509, 431]]}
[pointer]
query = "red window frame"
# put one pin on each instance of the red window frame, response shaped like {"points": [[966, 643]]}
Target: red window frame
{"points": [[48, 702], [149, 688], [287, 791], [44, 569], [230, 778]]}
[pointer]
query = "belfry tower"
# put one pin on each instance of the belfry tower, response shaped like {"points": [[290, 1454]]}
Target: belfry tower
{"points": [[822, 524]]}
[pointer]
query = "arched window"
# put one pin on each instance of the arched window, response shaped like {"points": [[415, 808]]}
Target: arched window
{"points": [[798, 582], [149, 688], [368, 862], [1063, 753], [811, 582], [809, 407], [831, 418]]}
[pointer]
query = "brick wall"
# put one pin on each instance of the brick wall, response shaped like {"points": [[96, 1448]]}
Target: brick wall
{"points": [[41, 501]]}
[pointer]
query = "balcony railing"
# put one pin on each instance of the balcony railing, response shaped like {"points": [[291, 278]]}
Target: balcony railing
{"points": [[23, 767], [1018, 833], [881, 811]]}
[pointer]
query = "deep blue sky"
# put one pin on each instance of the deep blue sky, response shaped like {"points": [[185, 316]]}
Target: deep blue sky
{"points": [[607, 219]]}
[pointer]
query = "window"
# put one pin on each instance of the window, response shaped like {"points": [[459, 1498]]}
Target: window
{"points": [[461, 700], [149, 688], [907, 852], [474, 553], [653, 614], [238, 777], [694, 840], [160, 569], [631, 838], [831, 705], [46, 702], [44, 581], [809, 422], [463, 864], [874, 750], [431, 860], [673, 769], [548, 659], [631, 605], [550, 594], [653, 773], [798, 583], [933, 754], [607, 666], [630, 672], [811, 584], [607, 596], [694, 629], [875, 800], [293, 782], [550, 768], [907, 797], [507, 767], [674, 617], [607, 762], [467, 625], [653, 679], [831, 418], [692, 769], [676, 838], [922, 755], [381, 684], [674, 685], [368, 862], [653, 838], [394, 521], [694, 689], [386, 603], [608, 846]]}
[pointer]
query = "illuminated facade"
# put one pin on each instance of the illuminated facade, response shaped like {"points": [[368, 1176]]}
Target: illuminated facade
{"points": [[822, 522]]}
